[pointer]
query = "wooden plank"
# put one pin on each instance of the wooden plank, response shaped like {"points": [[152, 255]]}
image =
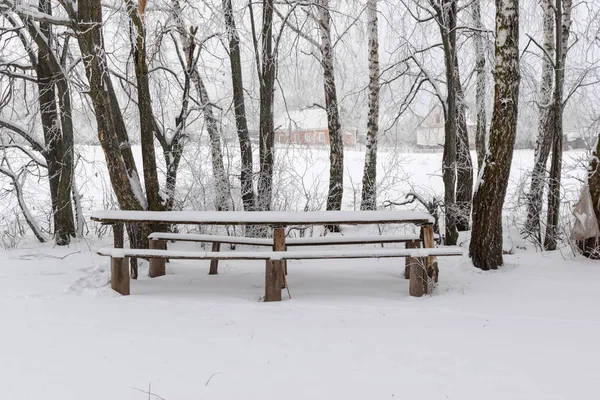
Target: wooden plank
{"points": [[432, 267], [119, 275], [279, 245], [309, 241], [283, 255], [214, 263], [273, 281], [277, 218], [415, 244], [157, 265], [417, 276]]}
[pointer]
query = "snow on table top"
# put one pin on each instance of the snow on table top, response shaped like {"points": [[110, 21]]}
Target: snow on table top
{"points": [[263, 217]]}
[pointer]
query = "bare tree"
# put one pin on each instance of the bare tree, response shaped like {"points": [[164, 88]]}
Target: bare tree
{"points": [[369, 182], [485, 248]]}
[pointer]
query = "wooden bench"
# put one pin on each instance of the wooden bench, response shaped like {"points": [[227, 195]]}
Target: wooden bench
{"points": [[420, 277], [277, 221], [158, 241]]}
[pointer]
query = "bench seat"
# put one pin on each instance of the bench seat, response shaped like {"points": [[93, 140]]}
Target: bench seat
{"points": [[303, 241], [282, 255]]}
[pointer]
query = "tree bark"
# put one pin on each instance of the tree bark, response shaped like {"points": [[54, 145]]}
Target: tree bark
{"points": [[486, 238], [562, 11], [480, 91], [545, 128], [336, 142], [369, 183], [247, 188]]}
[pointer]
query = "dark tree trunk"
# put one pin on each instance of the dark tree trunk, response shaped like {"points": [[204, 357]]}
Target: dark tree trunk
{"points": [[146, 115], [369, 182], [480, 134], [58, 135], [111, 127], [235, 60], [267, 90], [336, 143], [464, 162], [486, 237], [447, 24]]}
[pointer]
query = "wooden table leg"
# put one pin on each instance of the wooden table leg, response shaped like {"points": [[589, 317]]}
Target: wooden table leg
{"points": [[119, 274], [214, 264], [279, 245], [414, 244], [273, 281], [157, 265], [432, 270]]}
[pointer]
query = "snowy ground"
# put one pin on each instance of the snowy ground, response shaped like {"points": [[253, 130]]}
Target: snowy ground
{"points": [[351, 331]]}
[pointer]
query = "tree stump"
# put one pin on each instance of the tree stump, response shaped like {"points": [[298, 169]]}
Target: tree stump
{"points": [[418, 277]]}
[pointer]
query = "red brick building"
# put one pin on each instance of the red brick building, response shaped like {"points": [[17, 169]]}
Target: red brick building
{"points": [[308, 127]]}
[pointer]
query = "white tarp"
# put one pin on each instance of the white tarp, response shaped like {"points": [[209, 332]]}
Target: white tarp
{"points": [[586, 224]]}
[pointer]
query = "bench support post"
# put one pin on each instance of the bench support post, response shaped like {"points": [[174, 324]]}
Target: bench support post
{"points": [[279, 245], [214, 264], [431, 266], [119, 267], [157, 265], [273, 280], [414, 244], [418, 277]]}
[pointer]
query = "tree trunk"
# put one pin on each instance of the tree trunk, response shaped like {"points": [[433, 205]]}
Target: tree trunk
{"points": [[480, 134], [235, 60], [545, 128], [267, 90], [563, 23], [58, 136], [447, 13], [223, 190], [146, 115], [336, 142], [111, 127], [369, 183], [486, 238], [464, 162]]}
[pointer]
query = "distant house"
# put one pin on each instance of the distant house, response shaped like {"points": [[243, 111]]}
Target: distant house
{"points": [[308, 127], [431, 131]]}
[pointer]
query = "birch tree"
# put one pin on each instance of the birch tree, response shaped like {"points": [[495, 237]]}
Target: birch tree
{"points": [[485, 248], [369, 182], [336, 143], [545, 127]]}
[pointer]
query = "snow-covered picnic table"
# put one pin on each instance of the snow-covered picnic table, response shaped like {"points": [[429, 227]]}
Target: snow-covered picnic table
{"points": [[278, 221]]}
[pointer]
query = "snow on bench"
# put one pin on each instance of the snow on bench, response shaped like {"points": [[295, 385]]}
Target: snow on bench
{"points": [[304, 241], [283, 255]]}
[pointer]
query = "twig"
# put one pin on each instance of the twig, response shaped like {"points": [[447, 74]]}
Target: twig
{"points": [[208, 381]]}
